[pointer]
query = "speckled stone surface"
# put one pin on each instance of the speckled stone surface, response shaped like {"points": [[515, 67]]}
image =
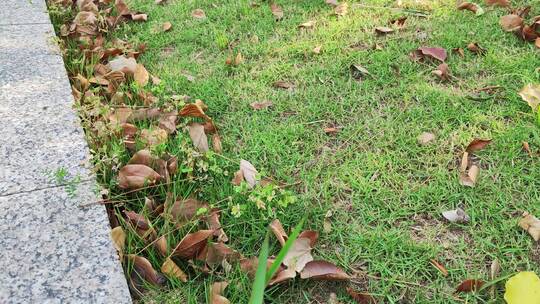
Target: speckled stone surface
{"points": [[41, 133], [23, 12], [55, 252], [51, 250]]}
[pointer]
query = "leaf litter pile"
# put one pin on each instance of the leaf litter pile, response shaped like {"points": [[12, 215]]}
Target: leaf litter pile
{"points": [[180, 237]]}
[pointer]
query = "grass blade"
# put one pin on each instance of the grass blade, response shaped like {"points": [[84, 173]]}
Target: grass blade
{"points": [[286, 247], [257, 292]]}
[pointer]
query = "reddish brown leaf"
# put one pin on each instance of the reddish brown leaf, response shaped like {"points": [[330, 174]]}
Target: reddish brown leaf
{"points": [[475, 48], [526, 148], [430, 52], [361, 297], [323, 270], [439, 267], [469, 178], [473, 7], [442, 72], [459, 51], [194, 110], [185, 210], [331, 130], [137, 220], [218, 252], [399, 22], [501, 3], [299, 254], [136, 176], [342, 9], [144, 270], [477, 145], [528, 33], [193, 243], [282, 276], [312, 235], [123, 64], [143, 157], [213, 223], [216, 143], [470, 285], [161, 246], [278, 231], [238, 178]]}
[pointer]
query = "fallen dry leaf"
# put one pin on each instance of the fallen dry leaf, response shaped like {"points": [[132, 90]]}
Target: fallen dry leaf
{"points": [[216, 291], [144, 270], [459, 51], [238, 178], [136, 176], [531, 94], [141, 75], [307, 25], [456, 216], [469, 179], [283, 85], [198, 14], [399, 22], [464, 162], [123, 64], [170, 268], [470, 285], [161, 245], [323, 270], [216, 143], [501, 3], [331, 130], [200, 141], [216, 253], [430, 52], [361, 297], [528, 33], [475, 48], [341, 9], [425, 138], [383, 30], [192, 244], [495, 268], [442, 72], [439, 267], [511, 22], [166, 26], [477, 144], [473, 7], [299, 254], [278, 231], [526, 148], [317, 49], [261, 105], [531, 224], [213, 224], [359, 72], [194, 110], [277, 11], [118, 237], [282, 276], [154, 137], [167, 122], [186, 210], [332, 2], [249, 173]]}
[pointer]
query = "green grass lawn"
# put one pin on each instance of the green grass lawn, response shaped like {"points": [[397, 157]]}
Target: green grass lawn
{"points": [[384, 190]]}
